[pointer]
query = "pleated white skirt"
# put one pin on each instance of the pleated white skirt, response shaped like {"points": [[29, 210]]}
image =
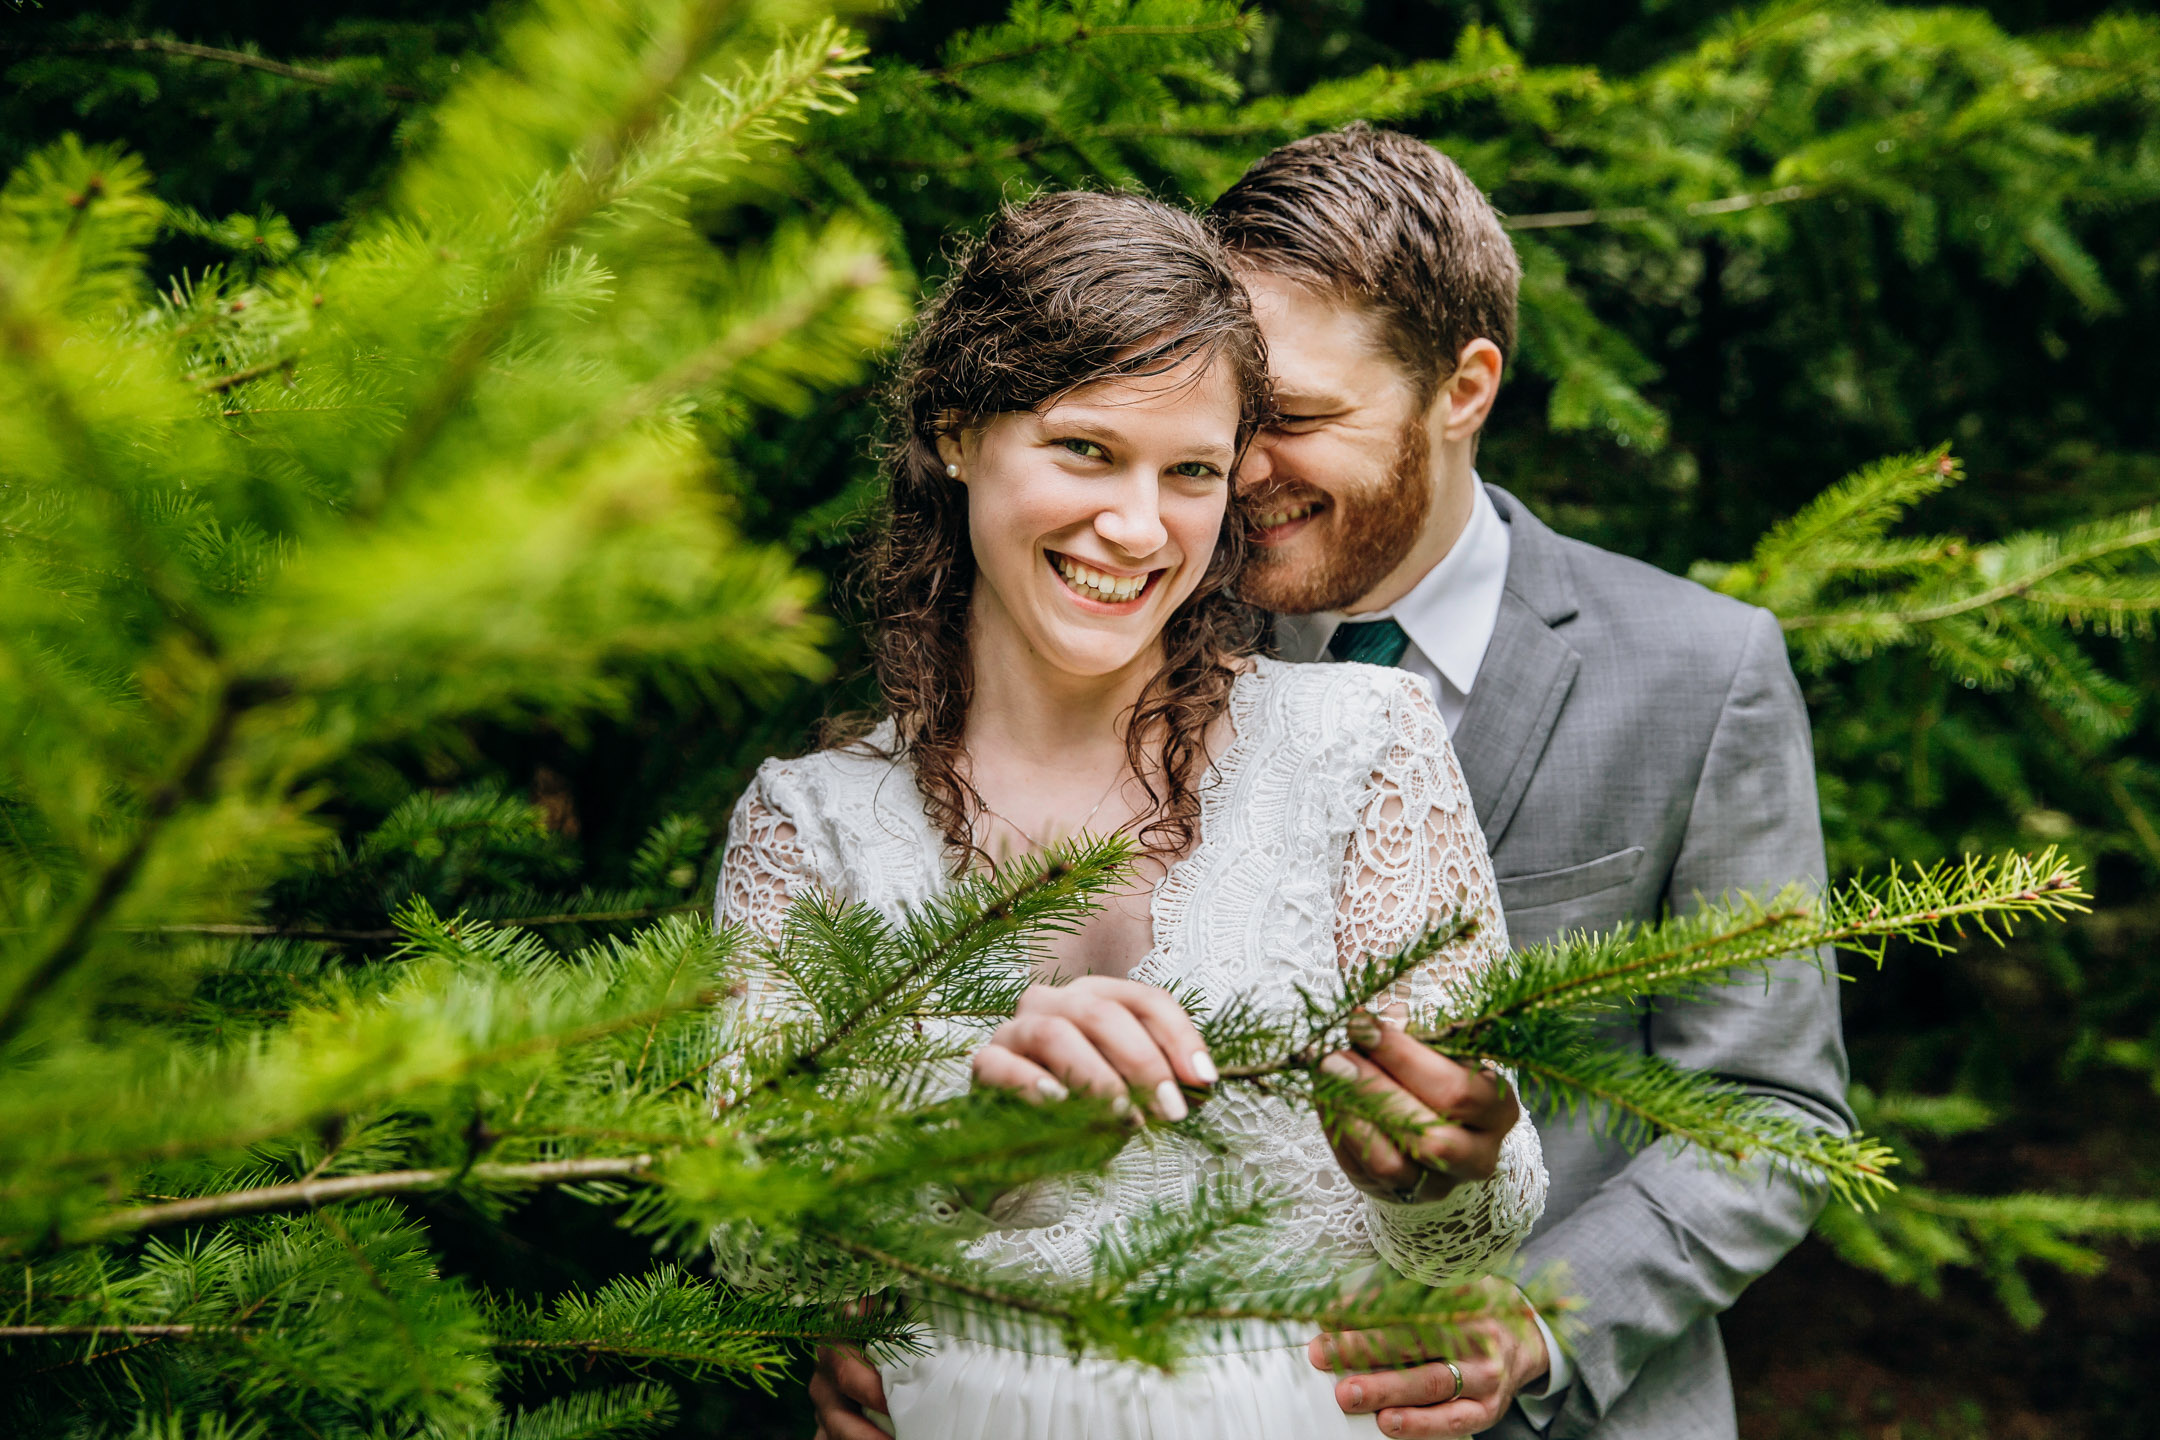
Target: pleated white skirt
{"points": [[1257, 1385]]}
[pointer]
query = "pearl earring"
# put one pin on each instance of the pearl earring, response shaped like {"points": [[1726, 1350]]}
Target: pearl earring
{"points": [[952, 472]]}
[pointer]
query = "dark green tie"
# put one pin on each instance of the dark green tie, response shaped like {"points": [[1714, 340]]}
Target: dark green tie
{"points": [[1369, 642]]}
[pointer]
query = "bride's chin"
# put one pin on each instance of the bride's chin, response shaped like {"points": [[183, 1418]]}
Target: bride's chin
{"points": [[1087, 657]]}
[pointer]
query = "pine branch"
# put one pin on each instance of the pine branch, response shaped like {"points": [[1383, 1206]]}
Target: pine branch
{"points": [[1917, 1232], [1862, 915], [1329, 1024], [1240, 23], [1697, 953], [1639, 1098], [218, 384], [110, 880], [147, 1332], [689, 1327], [588, 185], [1636, 214], [830, 287], [311, 1194], [1037, 892], [2079, 1214], [2143, 532], [302, 932], [1529, 1012], [371, 1093], [1075, 1312], [589, 1415], [155, 45], [66, 422], [1858, 508]]}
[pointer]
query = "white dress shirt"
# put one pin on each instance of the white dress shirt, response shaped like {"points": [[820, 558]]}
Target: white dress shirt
{"points": [[1449, 617]]}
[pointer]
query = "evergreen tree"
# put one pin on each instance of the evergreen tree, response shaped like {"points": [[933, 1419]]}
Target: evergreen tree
{"points": [[1787, 213]]}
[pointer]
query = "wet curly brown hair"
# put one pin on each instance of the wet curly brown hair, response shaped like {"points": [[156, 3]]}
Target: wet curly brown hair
{"points": [[1064, 290]]}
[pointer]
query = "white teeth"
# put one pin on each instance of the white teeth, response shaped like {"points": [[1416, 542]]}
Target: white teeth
{"points": [[1284, 516], [1093, 583]]}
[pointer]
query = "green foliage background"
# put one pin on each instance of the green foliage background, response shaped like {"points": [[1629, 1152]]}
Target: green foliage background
{"points": [[1764, 248]]}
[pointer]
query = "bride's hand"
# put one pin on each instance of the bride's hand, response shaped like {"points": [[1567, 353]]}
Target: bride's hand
{"points": [[1108, 1037], [1463, 1115]]}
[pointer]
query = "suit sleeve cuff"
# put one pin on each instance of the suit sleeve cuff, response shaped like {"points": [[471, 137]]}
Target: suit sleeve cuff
{"points": [[1542, 1398]]}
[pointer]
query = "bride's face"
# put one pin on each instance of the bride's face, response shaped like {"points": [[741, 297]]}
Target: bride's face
{"points": [[1093, 519]]}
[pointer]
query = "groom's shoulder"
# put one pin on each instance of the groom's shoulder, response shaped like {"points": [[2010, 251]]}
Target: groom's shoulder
{"points": [[1634, 592], [1659, 624]]}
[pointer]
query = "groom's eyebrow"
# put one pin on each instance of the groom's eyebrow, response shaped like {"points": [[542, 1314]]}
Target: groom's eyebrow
{"points": [[1291, 402]]}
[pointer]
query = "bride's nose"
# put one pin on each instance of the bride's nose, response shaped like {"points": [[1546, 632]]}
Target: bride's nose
{"points": [[1133, 522]]}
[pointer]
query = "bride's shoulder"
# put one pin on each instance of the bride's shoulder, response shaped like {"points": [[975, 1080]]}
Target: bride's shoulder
{"points": [[1342, 718], [1339, 695], [806, 783]]}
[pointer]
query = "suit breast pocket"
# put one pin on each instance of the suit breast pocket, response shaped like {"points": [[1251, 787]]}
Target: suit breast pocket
{"points": [[1585, 896]]}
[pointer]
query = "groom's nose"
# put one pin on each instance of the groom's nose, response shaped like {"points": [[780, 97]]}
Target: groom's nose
{"points": [[1133, 523]]}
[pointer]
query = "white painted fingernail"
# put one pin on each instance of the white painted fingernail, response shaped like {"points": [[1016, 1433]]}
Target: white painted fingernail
{"points": [[1170, 1101], [1203, 1065], [1121, 1105], [1051, 1089], [1341, 1066]]}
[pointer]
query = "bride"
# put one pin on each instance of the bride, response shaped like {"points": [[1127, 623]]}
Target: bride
{"points": [[1060, 650]]}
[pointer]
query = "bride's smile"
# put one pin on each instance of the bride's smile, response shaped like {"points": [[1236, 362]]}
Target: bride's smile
{"points": [[1094, 518]]}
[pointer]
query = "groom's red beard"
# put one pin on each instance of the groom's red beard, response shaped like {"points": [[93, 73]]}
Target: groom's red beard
{"points": [[1361, 537]]}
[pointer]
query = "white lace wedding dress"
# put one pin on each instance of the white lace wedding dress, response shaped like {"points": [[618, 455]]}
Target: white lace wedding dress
{"points": [[1334, 825]]}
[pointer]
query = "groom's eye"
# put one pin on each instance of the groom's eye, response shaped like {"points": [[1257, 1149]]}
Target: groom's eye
{"points": [[1087, 448]]}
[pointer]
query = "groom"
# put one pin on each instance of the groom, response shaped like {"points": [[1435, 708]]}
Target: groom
{"points": [[1632, 742]]}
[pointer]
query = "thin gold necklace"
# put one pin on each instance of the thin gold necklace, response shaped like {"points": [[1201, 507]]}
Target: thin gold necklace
{"points": [[1104, 799]]}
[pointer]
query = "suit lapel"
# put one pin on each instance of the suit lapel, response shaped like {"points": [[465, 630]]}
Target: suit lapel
{"points": [[1526, 675]]}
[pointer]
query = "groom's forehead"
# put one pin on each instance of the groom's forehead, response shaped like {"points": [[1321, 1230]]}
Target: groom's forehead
{"points": [[1319, 339]]}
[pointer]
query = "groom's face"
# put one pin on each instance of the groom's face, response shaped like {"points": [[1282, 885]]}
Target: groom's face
{"points": [[1337, 492]]}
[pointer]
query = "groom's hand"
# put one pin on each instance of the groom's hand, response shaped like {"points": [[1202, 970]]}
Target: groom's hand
{"points": [[1406, 1388], [842, 1388], [1465, 1114]]}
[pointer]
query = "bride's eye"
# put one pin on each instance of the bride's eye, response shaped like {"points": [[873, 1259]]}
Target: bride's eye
{"points": [[1086, 448], [1197, 469]]}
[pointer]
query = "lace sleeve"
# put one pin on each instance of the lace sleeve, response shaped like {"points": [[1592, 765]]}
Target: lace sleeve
{"points": [[764, 866], [1416, 855]]}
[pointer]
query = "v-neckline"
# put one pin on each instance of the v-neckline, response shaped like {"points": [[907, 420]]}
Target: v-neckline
{"points": [[1172, 894]]}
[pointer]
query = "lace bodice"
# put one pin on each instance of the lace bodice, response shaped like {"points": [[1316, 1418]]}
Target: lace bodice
{"points": [[1335, 825]]}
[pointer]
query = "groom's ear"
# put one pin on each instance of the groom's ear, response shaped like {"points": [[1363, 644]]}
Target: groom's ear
{"points": [[1465, 399]]}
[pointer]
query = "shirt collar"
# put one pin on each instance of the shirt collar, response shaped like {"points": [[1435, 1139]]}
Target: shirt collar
{"points": [[1451, 613]]}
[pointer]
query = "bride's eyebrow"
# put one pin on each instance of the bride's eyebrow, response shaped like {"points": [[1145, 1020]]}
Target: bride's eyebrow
{"points": [[1073, 423]]}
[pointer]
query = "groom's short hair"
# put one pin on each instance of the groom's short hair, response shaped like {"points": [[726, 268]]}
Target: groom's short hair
{"points": [[1386, 221]]}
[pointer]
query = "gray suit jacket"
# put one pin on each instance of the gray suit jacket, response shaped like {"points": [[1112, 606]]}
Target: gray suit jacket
{"points": [[1635, 742]]}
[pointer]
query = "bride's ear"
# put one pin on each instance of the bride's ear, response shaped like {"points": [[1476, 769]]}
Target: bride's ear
{"points": [[949, 451]]}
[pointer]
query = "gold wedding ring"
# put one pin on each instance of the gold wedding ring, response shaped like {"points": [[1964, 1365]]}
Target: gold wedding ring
{"points": [[1456, 1371]]}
